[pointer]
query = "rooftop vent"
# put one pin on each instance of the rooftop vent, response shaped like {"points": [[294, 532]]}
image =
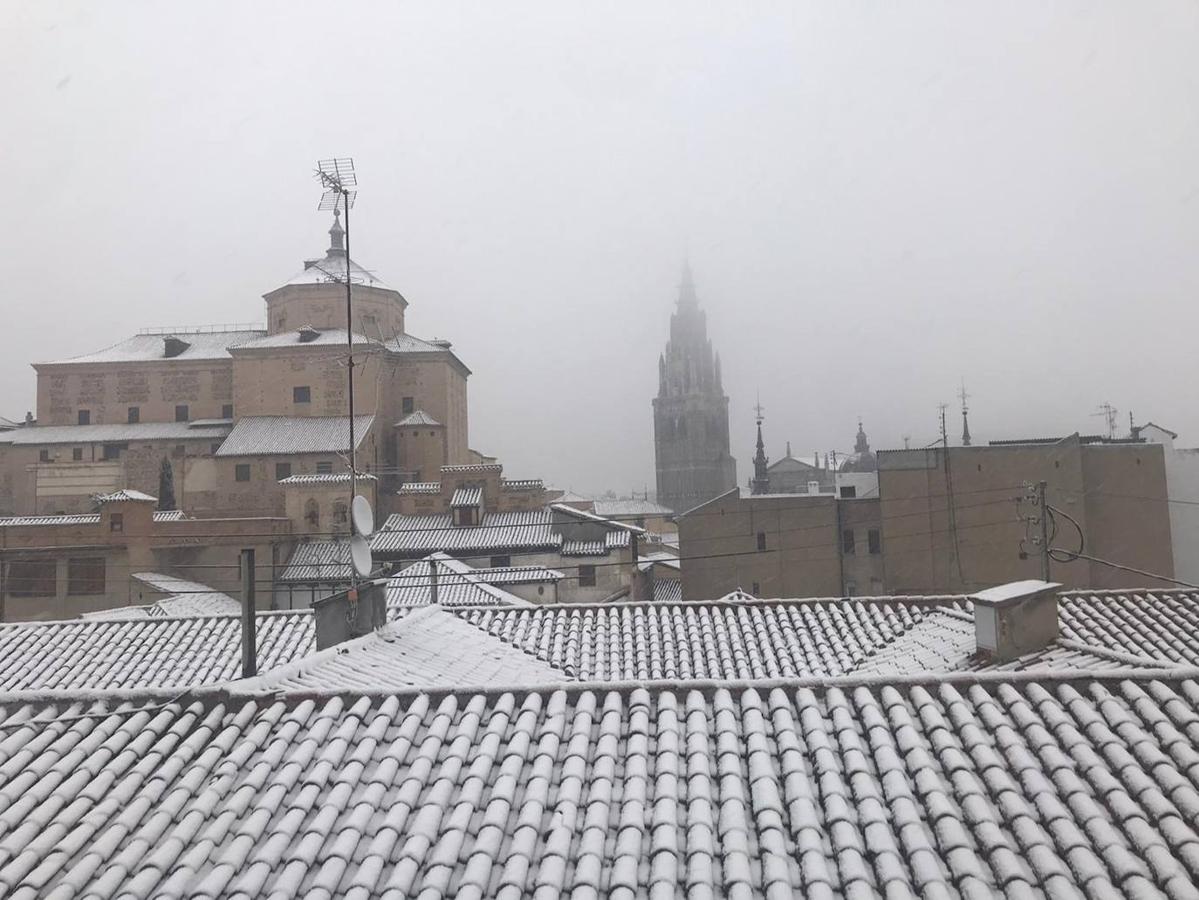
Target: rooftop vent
{"points": [[309, 263], [308, 334], [173, 346], [1015, 619]]}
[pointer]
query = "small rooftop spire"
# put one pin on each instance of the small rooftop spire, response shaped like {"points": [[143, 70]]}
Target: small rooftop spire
{"points": [[761, 480], [337, 235]]}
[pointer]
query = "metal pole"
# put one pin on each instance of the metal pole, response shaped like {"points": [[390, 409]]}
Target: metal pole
{"points": [[433, 581], [1044, 516], [350, 376], [635, 582], [249, 640]]}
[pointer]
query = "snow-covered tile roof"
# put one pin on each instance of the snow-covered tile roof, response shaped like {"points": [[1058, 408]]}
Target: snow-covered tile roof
{"points": [[202, 345], [629, 509], [418, 535], [518, 574], [146, 652], [326, 478], [286, 435], [183, 598], [467, 496], [35, 435], [1011, 787], [1159, 624], [125, 494], [420, 417], [420, 487], [720, 640], [668, 590], [317, 562], [458, 585], [324, 337], [428, 647], [160, 515]]}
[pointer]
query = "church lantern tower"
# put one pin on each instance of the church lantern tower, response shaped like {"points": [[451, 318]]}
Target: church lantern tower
{"points": [[691, 412]]}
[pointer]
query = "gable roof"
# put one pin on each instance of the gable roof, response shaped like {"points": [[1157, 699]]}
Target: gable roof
{"points": [[420, 417], [286, 435], [144, 652], [429, 647], [458, 585], [183, 598], [417, 535], [976, 788], [34, 435]]}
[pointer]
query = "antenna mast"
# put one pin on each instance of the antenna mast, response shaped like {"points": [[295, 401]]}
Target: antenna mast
{"points": [[337, 177]]}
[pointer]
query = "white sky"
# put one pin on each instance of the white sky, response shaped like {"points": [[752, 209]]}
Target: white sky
{"points": [[876, 199]]}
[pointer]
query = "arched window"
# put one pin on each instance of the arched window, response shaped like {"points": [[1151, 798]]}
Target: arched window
{"points": [[312, 514], [340, 513]]}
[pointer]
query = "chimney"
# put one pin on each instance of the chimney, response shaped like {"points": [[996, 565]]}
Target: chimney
{"points": [[813, 487], [339, 618], [1014, 619]]}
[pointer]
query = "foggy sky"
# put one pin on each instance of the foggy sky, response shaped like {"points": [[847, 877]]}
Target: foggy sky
{"points": [[876, 199]]}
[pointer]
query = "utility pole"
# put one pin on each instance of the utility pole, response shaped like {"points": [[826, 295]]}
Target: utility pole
{"points": [[249, 639], [1043, 516], [433, 581]]}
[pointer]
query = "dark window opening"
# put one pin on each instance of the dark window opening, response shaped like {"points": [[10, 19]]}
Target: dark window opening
{"points": [[32, 578], [849, 491], [135, 415], [586, 576], [85, 576], [466, 515], [282, 470], [113, 451], [761, 540], [312, 513], [116, 522], [85, 417], [241, 472], [43, 456], [408, 405], [499, 562], [324, 468], [77, 454], [755, 589], [848, 547], [181, 413], [302, 394], [341, 513], [227, 411], [875, 539]]}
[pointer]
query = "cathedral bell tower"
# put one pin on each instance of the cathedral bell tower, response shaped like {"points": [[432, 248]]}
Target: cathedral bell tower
{"points": [[691, 412]]}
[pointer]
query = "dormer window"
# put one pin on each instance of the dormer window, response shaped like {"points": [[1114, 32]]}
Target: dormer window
{"points": [[308, 334], [466, 515]]}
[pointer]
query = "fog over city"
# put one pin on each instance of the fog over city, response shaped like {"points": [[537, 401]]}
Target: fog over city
{"points": [[877, 202]]}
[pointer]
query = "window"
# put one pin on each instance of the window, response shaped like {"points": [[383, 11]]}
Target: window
{"points": [[241, 472], [466, 515], [227, 411], [302, 394], [324, 468], [499, 562], [116, 523], [847, 542], [408, 405], [85, 417], [755, 589], [851, 589], [282, 470], [586, 576], [848, 491], [85, 576], [312, 513], [135, 415], [874, 539], [761, 540], [113, 451], [341, 513], [43, 456], [181, 414], [32, 578], [77, 454]]}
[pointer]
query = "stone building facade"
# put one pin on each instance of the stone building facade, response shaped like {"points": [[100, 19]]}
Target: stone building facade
{"points": [[691, 412], [107, 420]]}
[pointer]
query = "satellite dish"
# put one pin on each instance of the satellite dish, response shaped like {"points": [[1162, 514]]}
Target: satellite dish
{"points": [[360, 554], [363, 516]]}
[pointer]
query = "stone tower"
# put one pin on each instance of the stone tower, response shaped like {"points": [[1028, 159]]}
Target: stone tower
{"points": [[691, 412]]}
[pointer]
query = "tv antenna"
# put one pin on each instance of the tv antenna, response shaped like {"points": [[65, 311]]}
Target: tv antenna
{"points": [[1109, 413], [338, 178]]}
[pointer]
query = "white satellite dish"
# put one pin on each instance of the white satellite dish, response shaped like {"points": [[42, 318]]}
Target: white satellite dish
{"points": [[363, 516], [360, 554]]}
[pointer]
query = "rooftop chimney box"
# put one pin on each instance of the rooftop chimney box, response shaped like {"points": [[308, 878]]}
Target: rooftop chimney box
{"points": [[1014, 619], [339, 620]]}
